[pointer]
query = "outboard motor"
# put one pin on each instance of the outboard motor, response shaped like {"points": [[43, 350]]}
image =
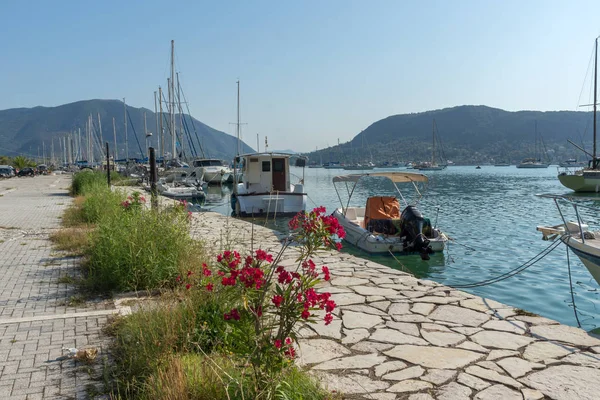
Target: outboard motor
{"points": [[413, 225]]}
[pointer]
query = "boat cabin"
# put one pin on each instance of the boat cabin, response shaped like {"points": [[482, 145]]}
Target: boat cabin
{"points": [[266, 172], [209, 162]]}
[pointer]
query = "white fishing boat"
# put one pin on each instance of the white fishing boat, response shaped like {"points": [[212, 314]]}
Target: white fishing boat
{"points": [[380, 227], [179, 192], [578, 237], [266, 187], [213, 171]]}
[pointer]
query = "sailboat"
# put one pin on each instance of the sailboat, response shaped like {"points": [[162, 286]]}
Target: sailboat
{"points": [[534, 162], [433, 165], [586, 179]]}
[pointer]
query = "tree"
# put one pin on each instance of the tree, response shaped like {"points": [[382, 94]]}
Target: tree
{"points": [[20, 162]]}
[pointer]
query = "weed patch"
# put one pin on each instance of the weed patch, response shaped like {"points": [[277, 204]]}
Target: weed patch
{"points": [[72, 240]]}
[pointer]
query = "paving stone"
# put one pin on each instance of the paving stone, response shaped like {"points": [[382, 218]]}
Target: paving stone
{"points": [[453, 391], [373, 291], [501, 340], [532, 394], [542, 351], [497, 392], [333, 330], [535, 320], [439, 376], [409, 386], [313, 351], [381, 305], [491, 365], [481, 304], [342, 299], [393, 336], [399, 308], [389, 366], [420, 396], [362, 308], [373, 299], [408, 373], [496, 354], [586, 359], [459, 315], [434, 357], [380, 396], [351, 362], [350, 383], [439, 299], [422, 308], [596, 349], [348, 281], [467, 345], [404, 327], [517, 367], [416, 318], [354, 335], [354, 320], [493, 376], [564, 333], [518, 327], [371, 347], [443, 339], [472, 381], [465, 330]]}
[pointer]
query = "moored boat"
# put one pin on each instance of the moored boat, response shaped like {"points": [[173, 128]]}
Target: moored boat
{"points": [[266, 187], [213, 171], [380, 227]]}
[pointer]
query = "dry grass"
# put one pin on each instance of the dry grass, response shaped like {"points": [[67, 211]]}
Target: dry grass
{"points": [[74, 240], [72, 215]]}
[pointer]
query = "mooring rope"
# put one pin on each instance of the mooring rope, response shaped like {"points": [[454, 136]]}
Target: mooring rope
{"points": [[532, 261]]}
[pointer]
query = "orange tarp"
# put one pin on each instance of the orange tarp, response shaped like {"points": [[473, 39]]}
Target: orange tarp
{"points": [[382, 207]]}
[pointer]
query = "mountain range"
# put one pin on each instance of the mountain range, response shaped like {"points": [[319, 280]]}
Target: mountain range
{"points": [[469, 135], [27, 130]]}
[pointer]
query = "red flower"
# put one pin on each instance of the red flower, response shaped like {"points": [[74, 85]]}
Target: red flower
{"points": [[262, 255], [326, 273], [233, 314], [288, 341], [328, 318], [329, 305], [305, 314], [277, 343], [189, 273], [338, 246], [277, 299], [209, 287], [290, 352], [188, 286], [178, 279]]}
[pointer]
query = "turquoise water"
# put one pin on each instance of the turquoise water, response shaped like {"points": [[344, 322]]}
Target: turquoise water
{"points": [[491, 213]]}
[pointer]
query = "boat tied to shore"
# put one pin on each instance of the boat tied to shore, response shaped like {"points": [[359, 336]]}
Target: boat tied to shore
{"points": [[380, 227], [576, 234]]}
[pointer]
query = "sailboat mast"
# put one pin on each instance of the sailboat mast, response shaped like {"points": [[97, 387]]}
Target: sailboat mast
{"points": [[595, 162], [162, 132], [115, 154], [156, 129], [126, 143], [238, 118], [172, 100], [433, 138]]}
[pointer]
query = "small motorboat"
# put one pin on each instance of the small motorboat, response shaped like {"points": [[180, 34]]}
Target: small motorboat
{"points": [[380, 227], [180, 192]]}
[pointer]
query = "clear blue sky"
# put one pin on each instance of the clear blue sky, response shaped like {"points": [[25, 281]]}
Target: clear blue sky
{"points": [[311, 71]]}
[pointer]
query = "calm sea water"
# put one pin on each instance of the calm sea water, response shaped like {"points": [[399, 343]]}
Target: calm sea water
{"points": [[491, 213]]}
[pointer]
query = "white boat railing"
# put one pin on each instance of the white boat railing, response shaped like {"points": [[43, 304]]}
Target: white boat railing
{"points": [[568, 200]]}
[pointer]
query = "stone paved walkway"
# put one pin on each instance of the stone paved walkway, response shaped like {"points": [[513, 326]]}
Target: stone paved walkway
{"points": [[397, 337], [39, 315]]}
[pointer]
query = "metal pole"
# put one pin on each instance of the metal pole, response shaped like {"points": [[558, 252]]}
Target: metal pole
{"points": [[125, 121], [153, 179], [107, 165]]}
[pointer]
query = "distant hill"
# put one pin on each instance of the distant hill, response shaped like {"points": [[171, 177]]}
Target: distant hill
{"points": [[469, 134], [23, 130]]}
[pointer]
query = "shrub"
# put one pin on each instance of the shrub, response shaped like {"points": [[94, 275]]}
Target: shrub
{"points": [[86, 180], [136, 249]]}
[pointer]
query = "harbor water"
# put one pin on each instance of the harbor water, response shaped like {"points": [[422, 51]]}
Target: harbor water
{"points": [[491, 215]]}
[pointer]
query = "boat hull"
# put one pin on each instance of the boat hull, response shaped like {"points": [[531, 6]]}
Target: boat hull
{"points": [[579, 183], [533, 166], [271, 204], [379, 243], [589, 256]]}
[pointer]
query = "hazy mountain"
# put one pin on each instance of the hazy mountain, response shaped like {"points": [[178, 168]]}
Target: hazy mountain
{"points": [[468, 134], [23, 130]]}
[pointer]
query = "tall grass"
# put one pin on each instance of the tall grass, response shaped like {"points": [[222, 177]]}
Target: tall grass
{"points": [[85, 180], [139, 249]]}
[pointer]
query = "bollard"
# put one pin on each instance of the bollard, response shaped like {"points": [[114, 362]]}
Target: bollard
{"points": [[153, 179], [107, 165]]}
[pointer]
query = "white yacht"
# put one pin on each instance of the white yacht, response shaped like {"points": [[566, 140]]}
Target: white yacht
{"points": [[212, 170]]}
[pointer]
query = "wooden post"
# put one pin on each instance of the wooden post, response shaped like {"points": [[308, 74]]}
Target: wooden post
{"points": [[107, 165], [153, 179]]}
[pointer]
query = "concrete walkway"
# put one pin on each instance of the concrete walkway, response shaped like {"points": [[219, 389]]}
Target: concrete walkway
{"points": [[397, 337], [40, 316]]}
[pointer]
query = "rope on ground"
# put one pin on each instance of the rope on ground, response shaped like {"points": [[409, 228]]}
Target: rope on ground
{"points": [[571, 284], [532, 261], [404, 269]]}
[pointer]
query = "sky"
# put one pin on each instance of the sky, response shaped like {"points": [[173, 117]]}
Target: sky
{"points": [[311, 72]]}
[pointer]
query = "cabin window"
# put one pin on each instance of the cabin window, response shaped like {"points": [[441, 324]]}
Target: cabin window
{"points": [[266, 166], [253, 159]]}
